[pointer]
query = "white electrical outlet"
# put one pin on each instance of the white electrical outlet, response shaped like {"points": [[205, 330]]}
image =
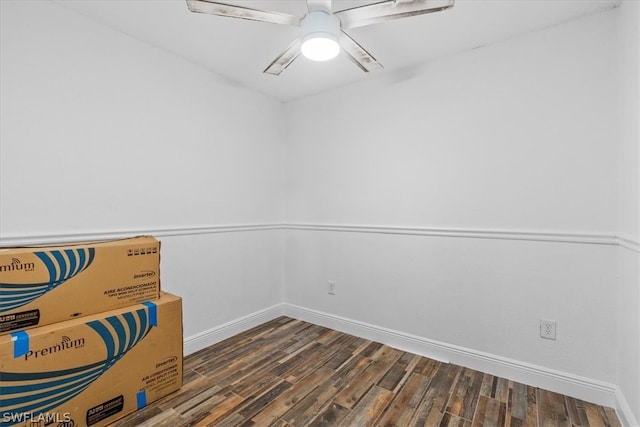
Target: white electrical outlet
{"points": [[331, 287], [548, 329]]}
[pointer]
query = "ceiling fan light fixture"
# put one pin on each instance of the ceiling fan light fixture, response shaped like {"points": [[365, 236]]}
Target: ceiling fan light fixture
{"points": [[320, 32], [320, 46], [323, 32]]}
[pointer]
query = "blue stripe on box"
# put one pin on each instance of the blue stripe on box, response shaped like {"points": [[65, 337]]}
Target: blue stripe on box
{"points": [[153, 313], [20, 343], [141, 399]]}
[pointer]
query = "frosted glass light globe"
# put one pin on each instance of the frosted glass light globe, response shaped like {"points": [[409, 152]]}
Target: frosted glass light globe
{"points": [[320, 47]]}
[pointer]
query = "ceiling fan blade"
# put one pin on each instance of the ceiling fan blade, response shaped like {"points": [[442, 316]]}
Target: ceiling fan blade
{"points": [[319, 5], [285, 59], [358, 54], [388, 10], [233, 11]]}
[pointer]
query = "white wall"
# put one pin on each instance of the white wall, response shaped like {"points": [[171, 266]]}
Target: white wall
{"points": [[628, 204], [517, 137], [103, 134], [512, 136]]}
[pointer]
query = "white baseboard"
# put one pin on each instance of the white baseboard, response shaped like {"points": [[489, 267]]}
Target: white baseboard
{"points": [[226, 330], [572, 385], [624, 411]]}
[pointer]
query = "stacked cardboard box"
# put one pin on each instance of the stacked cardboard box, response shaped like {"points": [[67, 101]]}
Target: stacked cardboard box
{"points": [[86, 336], [44, 285]]}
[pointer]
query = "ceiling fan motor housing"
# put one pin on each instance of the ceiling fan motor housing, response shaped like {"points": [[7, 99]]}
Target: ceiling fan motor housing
{"points": [[319, 23]]}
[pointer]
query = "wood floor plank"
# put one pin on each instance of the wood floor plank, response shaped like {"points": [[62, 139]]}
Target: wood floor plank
{"points": [[291, 397], [203, 397], [432, 407], [517, 404], [290, 373], [402, 408], [329, 336], [321, 356], [577, 412], [490, 413], [145, 414], [215, 404], [344, 354], [166, 419], [236, 373], [186, 393], [369, 408], [397, 372], [522, 409], [257, 404], [232, 420], [251, 406], [427, 367], [599, 417], [501, 390], [350, 370], [454, 421], [189, 375], [332, 416], [532, 407], [312, 405], [266, 340], [495, 388], [261, 380], [221, 409], [382, 360], [611, 417], [552, 409], [371, 349], [465, 394]]}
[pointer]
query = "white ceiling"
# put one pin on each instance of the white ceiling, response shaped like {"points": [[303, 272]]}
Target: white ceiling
{"points": [[239, 50]]}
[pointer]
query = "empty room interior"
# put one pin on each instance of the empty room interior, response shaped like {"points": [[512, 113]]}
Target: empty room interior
{"points": [[464, 197]]}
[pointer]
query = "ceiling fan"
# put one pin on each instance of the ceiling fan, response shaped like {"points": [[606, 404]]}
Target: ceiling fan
{"points": [[323, 31]]}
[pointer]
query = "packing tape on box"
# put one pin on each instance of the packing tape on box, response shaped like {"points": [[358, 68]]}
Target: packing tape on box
{"points": [[141, 399], [153, 313], [20, 343]]}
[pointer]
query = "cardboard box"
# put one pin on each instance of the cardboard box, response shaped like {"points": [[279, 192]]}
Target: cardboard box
{"points": [[44, 285], [93, 370]]}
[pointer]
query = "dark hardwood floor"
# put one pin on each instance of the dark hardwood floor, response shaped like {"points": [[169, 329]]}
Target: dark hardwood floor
{"points": [[291, 373]]}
